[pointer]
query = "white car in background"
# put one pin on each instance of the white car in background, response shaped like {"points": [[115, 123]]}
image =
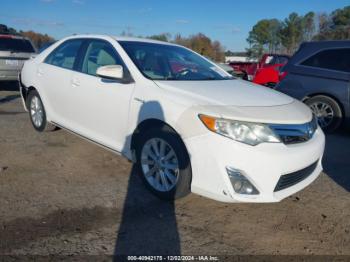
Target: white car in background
{"points": [[186, 123]]}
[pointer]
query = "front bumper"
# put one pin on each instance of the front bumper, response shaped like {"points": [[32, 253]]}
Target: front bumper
{"points": [[263, 165]]}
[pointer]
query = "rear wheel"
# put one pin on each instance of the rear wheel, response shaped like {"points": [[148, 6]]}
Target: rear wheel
{"points": [[37, 113], [327, 111], [163, 163]]}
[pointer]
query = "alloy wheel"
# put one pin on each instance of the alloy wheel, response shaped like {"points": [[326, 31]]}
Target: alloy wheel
{"points": [[159, 164], [323, 112], [36, 111]]}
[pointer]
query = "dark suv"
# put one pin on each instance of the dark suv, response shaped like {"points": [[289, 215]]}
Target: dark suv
{"points": [[319, 75]]}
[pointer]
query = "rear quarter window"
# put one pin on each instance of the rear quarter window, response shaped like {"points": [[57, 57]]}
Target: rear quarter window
{"points": [[332, 59], [16, 45]]}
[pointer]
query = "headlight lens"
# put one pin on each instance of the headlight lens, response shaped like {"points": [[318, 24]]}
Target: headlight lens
{"points": [[245, 132]]}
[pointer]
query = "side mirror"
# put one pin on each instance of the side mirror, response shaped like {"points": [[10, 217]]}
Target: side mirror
{"points": [[110, 72]]}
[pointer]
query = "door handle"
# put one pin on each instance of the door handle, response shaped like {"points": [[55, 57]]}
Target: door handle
{"points": [[139, 100], [75, 82]]}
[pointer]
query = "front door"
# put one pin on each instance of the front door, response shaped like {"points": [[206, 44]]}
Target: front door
{"points": [[101, 106]]}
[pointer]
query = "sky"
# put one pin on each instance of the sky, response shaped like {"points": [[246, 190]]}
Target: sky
{"points": [[226, 21]]}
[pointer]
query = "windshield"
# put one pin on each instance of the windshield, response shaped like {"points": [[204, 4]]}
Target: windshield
{"points": [[16, 45], [168, 62]]}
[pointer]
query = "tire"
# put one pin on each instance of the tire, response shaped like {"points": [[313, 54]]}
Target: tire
{"points": [[271, 85], [154, 181], [34, 104], [245, 76], [328, 112]]}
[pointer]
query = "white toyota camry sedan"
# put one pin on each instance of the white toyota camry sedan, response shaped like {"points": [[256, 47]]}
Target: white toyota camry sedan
{"points": [[186, 124]]}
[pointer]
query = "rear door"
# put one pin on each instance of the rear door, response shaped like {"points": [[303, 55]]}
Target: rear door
{"points": [[54, 79], [101, 106]]}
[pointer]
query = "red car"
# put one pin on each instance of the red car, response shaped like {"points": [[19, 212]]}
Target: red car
{"points": [[265, 72]]}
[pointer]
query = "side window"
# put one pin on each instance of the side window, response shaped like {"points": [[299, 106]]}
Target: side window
{"points": [[334, 59], [99, 53], [282, 60], [65, 55], [270, 60]]}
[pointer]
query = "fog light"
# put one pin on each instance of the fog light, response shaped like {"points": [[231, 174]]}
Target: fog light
{"points": [[237, 185], [240, 183]]}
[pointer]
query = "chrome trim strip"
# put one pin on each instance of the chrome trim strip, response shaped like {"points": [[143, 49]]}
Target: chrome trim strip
{"points": [[298, 133], [88, 139]]}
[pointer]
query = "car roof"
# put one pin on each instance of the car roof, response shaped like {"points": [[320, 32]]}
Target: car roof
{"points": [[275, 54], [13, 36], [326, 44], [122, 38], [139, 39]]}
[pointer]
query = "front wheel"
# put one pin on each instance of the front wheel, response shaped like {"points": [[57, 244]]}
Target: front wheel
{"points": [[37, 113], [163, 163], [327, 111]]}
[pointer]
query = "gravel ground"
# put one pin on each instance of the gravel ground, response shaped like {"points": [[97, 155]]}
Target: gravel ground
{"points": [[60, 194]]}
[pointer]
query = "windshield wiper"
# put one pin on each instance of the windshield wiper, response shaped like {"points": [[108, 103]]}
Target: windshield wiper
{"points": [[170, 78]]}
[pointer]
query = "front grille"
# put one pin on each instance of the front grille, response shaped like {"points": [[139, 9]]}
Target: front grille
{"points": [[291, 179], [292, 134]]}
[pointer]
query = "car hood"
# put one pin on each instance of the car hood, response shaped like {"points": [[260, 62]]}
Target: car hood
{"points": [[235, 99], [226, 93]]}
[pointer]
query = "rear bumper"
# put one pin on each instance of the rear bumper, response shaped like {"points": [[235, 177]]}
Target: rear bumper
{"points": [[23, 90], [9, 75]]}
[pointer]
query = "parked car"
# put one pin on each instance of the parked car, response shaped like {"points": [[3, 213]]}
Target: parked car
{"points": [[187, 128], [319, 75], [240, 69], [14, 50], [265, 72], [226, 67]]}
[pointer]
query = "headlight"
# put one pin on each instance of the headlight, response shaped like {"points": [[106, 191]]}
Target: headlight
{"points": [[245, 132]]}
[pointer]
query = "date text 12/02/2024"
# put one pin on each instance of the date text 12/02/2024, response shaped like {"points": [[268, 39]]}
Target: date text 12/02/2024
{"points": [[173, 258]]}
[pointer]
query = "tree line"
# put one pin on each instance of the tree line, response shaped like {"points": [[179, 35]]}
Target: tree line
{"points": [[37, 39], [276, 36], [199, 42]]}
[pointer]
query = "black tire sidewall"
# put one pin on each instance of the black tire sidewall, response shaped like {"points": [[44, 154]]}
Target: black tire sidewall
{"points": [[32, 94], [338, 115], [245, 76], [183, 185]]}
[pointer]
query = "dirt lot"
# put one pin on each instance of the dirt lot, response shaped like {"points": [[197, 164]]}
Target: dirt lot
{"points": [[62, 195]]}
